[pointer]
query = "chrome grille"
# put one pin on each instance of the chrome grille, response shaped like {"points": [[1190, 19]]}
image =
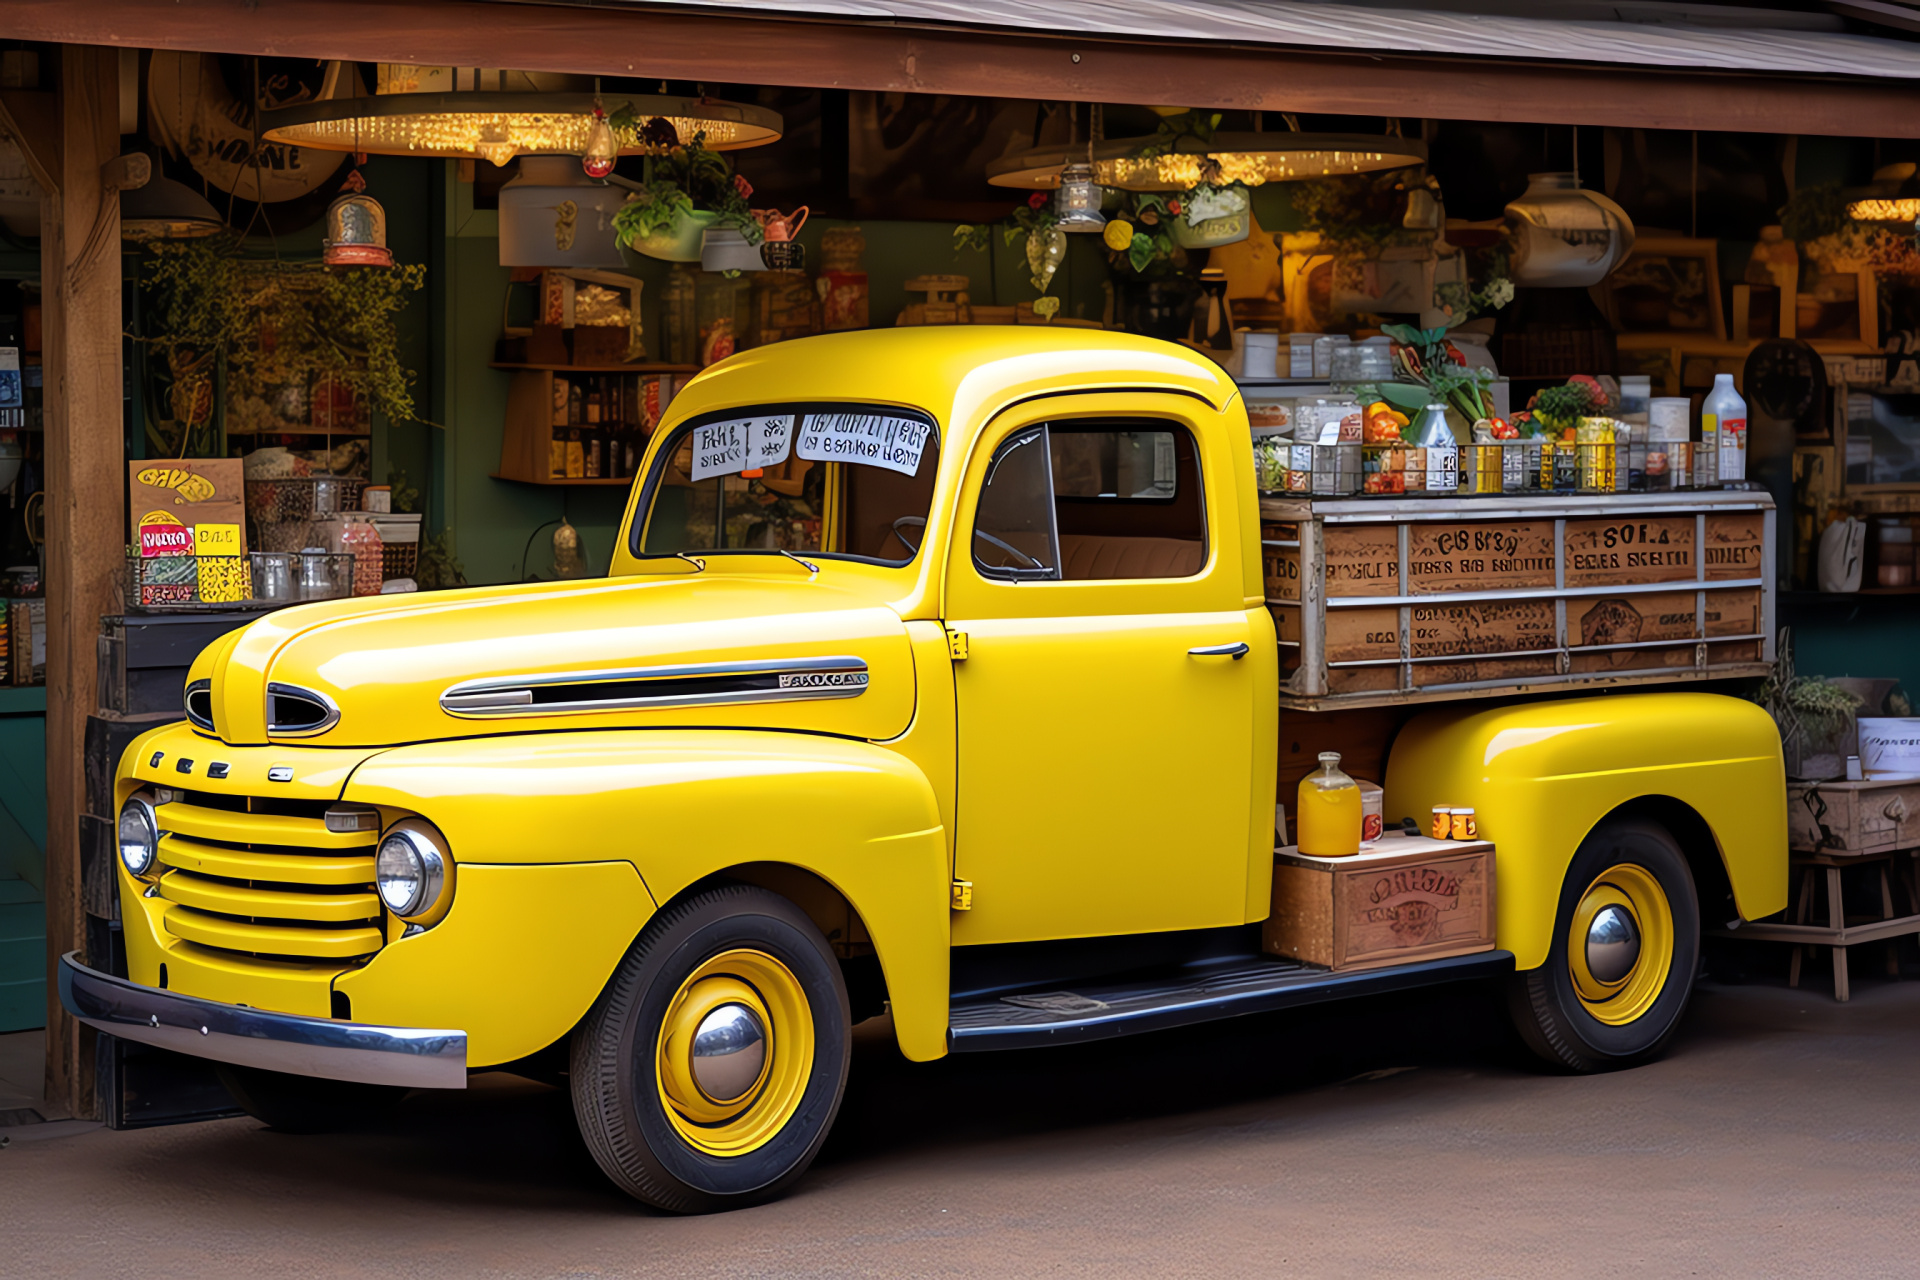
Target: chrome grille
{"points": [[264, 876]]}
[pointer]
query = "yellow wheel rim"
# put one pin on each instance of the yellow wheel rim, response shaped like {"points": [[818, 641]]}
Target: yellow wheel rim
{"points": [[735, 1053], [1620, 946]]}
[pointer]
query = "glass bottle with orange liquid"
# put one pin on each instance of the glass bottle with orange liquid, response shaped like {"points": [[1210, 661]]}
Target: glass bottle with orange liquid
{"points": [[1328, 821]]}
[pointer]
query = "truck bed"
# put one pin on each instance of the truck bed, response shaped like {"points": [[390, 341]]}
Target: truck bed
{"points": [[1392, 601]]}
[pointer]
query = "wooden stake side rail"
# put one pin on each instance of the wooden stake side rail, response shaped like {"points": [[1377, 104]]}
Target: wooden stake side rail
{"points": [[1384, 601]]}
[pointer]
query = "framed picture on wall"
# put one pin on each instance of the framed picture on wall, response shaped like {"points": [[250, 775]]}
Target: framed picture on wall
{"points": [[1667, 285]]}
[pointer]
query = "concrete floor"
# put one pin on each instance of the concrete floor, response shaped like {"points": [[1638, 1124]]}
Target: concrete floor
{"points": [[1781, 1136]]}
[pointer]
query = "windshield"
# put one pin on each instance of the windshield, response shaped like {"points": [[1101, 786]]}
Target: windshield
{"points": [[845, 481]]}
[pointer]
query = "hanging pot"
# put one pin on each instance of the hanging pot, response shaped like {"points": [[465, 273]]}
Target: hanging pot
{"points": [[726, 249], [678, 241], [1564, 236]]}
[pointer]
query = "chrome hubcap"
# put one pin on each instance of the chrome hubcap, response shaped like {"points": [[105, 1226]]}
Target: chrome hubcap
{"points": [[1613, 944], [729, 1051]]}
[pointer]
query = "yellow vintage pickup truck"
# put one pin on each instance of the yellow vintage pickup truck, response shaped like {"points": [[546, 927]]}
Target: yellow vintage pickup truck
{"points": [[934, 676]]}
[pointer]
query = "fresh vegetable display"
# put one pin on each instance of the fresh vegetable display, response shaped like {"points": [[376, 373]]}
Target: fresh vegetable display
{"points": [[1431, 368]]}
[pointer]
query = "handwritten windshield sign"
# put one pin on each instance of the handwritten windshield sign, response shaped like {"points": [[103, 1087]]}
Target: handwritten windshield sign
{"points": [[876, 439], [741, 444]]}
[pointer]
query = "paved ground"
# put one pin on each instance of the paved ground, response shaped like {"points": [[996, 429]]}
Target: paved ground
{"points": [[1780, 1137]]}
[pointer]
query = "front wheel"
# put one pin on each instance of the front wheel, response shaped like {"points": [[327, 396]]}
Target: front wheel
{"points": [[712, 1066], [1626, 946]]}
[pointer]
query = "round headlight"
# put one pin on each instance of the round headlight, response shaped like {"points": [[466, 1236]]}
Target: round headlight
{"points": [[139, 835], [409, 872]]}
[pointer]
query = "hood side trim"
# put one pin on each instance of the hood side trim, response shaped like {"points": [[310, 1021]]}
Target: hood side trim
{"points": [[688, 685]]}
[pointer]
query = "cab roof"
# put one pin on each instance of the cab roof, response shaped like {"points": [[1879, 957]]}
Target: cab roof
{"points": [[961, 374]]}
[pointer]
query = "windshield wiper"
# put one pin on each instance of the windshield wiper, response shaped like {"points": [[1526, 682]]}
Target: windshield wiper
{"points": [[811, 567], [699, 565]]}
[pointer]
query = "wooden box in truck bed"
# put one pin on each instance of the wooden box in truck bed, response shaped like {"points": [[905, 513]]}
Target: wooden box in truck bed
{"points": [[1393, 600], [1402, 899]]}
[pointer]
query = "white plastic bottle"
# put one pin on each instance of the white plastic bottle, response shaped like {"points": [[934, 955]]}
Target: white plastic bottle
{"points": [[1723, 428]]}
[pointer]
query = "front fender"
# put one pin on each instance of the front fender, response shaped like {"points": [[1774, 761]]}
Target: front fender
{"points": [[1540, 776], [681, 805]]}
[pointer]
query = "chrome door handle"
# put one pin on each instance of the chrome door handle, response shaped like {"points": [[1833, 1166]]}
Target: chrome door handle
{"points": [[1237, 650]]}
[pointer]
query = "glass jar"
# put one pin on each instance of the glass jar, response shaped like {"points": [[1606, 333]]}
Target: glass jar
{"points": [[679, 317], [724, 308], [1329, 817]]}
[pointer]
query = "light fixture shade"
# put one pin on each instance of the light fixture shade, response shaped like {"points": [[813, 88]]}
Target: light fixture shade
{"points": [[1076, 205], [553, 216], [165, 209], [499, 126], [1250, 158], [1903, 209]]}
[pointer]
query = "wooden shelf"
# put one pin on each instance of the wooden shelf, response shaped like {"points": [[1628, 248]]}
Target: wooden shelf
{"points": [[549, 481], [596, 368]]}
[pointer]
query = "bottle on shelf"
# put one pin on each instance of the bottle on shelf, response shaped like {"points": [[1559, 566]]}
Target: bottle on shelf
{"points": [[1725, 415], [1328, 816]]}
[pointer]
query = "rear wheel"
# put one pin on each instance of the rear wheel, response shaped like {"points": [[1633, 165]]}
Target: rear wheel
{"points": [[712, 1066], [305, 1104], [1626, 946]]}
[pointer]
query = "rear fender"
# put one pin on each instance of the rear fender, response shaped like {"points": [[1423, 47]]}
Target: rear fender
{"points": [[1541, 775], [684, 805]]}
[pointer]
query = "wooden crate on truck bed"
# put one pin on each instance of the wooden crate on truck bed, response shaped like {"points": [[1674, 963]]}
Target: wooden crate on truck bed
{"points": [[1390, 600]]}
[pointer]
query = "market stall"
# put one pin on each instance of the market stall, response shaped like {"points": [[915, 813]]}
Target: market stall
{"points": [[420, 332]]}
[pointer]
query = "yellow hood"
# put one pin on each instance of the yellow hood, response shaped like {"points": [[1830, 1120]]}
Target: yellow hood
{"points": [[715, 649]]}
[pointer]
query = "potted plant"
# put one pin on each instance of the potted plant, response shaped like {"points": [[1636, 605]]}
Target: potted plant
{"points": [[692, 189]]}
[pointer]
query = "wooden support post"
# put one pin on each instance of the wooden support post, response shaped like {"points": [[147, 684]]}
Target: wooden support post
{"points": [[86, 478]]}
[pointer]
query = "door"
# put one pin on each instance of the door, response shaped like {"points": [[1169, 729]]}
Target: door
{"points": [[1105, 723]]}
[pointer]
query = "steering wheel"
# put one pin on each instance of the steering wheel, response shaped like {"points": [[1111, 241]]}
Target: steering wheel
{"points": [[914, 549], [1010, 549]]}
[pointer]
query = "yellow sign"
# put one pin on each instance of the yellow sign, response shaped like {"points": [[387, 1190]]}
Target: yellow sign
{"points": [[216, 540], [189, 487]]}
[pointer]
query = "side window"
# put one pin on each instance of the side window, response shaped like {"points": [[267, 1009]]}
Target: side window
{"points": [[1128, 501], [1013, 534], [1090, 500]]}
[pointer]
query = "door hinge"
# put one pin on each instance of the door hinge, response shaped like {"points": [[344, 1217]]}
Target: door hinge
{"points": [[963, 895], [956, 643]]}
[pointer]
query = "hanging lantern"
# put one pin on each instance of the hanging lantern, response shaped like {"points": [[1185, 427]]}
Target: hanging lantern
{"points": [[1077, 204], [597, 160], [356, 228]]}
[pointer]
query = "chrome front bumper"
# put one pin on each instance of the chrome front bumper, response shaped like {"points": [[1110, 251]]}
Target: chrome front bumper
{"points": [[415, 1057]]}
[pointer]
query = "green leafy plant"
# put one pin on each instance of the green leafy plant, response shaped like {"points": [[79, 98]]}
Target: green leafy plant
{"points": [[1814, 211], [1140, 238], [689, 179], [1561, 408], [267, 322], [1036, 216]]}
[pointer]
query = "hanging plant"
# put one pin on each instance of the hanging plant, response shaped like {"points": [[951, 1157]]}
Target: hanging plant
{"points": [[268, 322], [687, 180], [1034, 223], [1141, 239]]}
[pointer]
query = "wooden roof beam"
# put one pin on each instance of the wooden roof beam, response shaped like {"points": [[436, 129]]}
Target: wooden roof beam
{"points": [[898, 57]]}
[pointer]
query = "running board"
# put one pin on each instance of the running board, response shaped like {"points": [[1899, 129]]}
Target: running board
{"points": [[1200, 992]]}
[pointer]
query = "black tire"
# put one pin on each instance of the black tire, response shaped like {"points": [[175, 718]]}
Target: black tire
{"points": [[1546, 1006], [305, 1104], [617, 1097]]}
